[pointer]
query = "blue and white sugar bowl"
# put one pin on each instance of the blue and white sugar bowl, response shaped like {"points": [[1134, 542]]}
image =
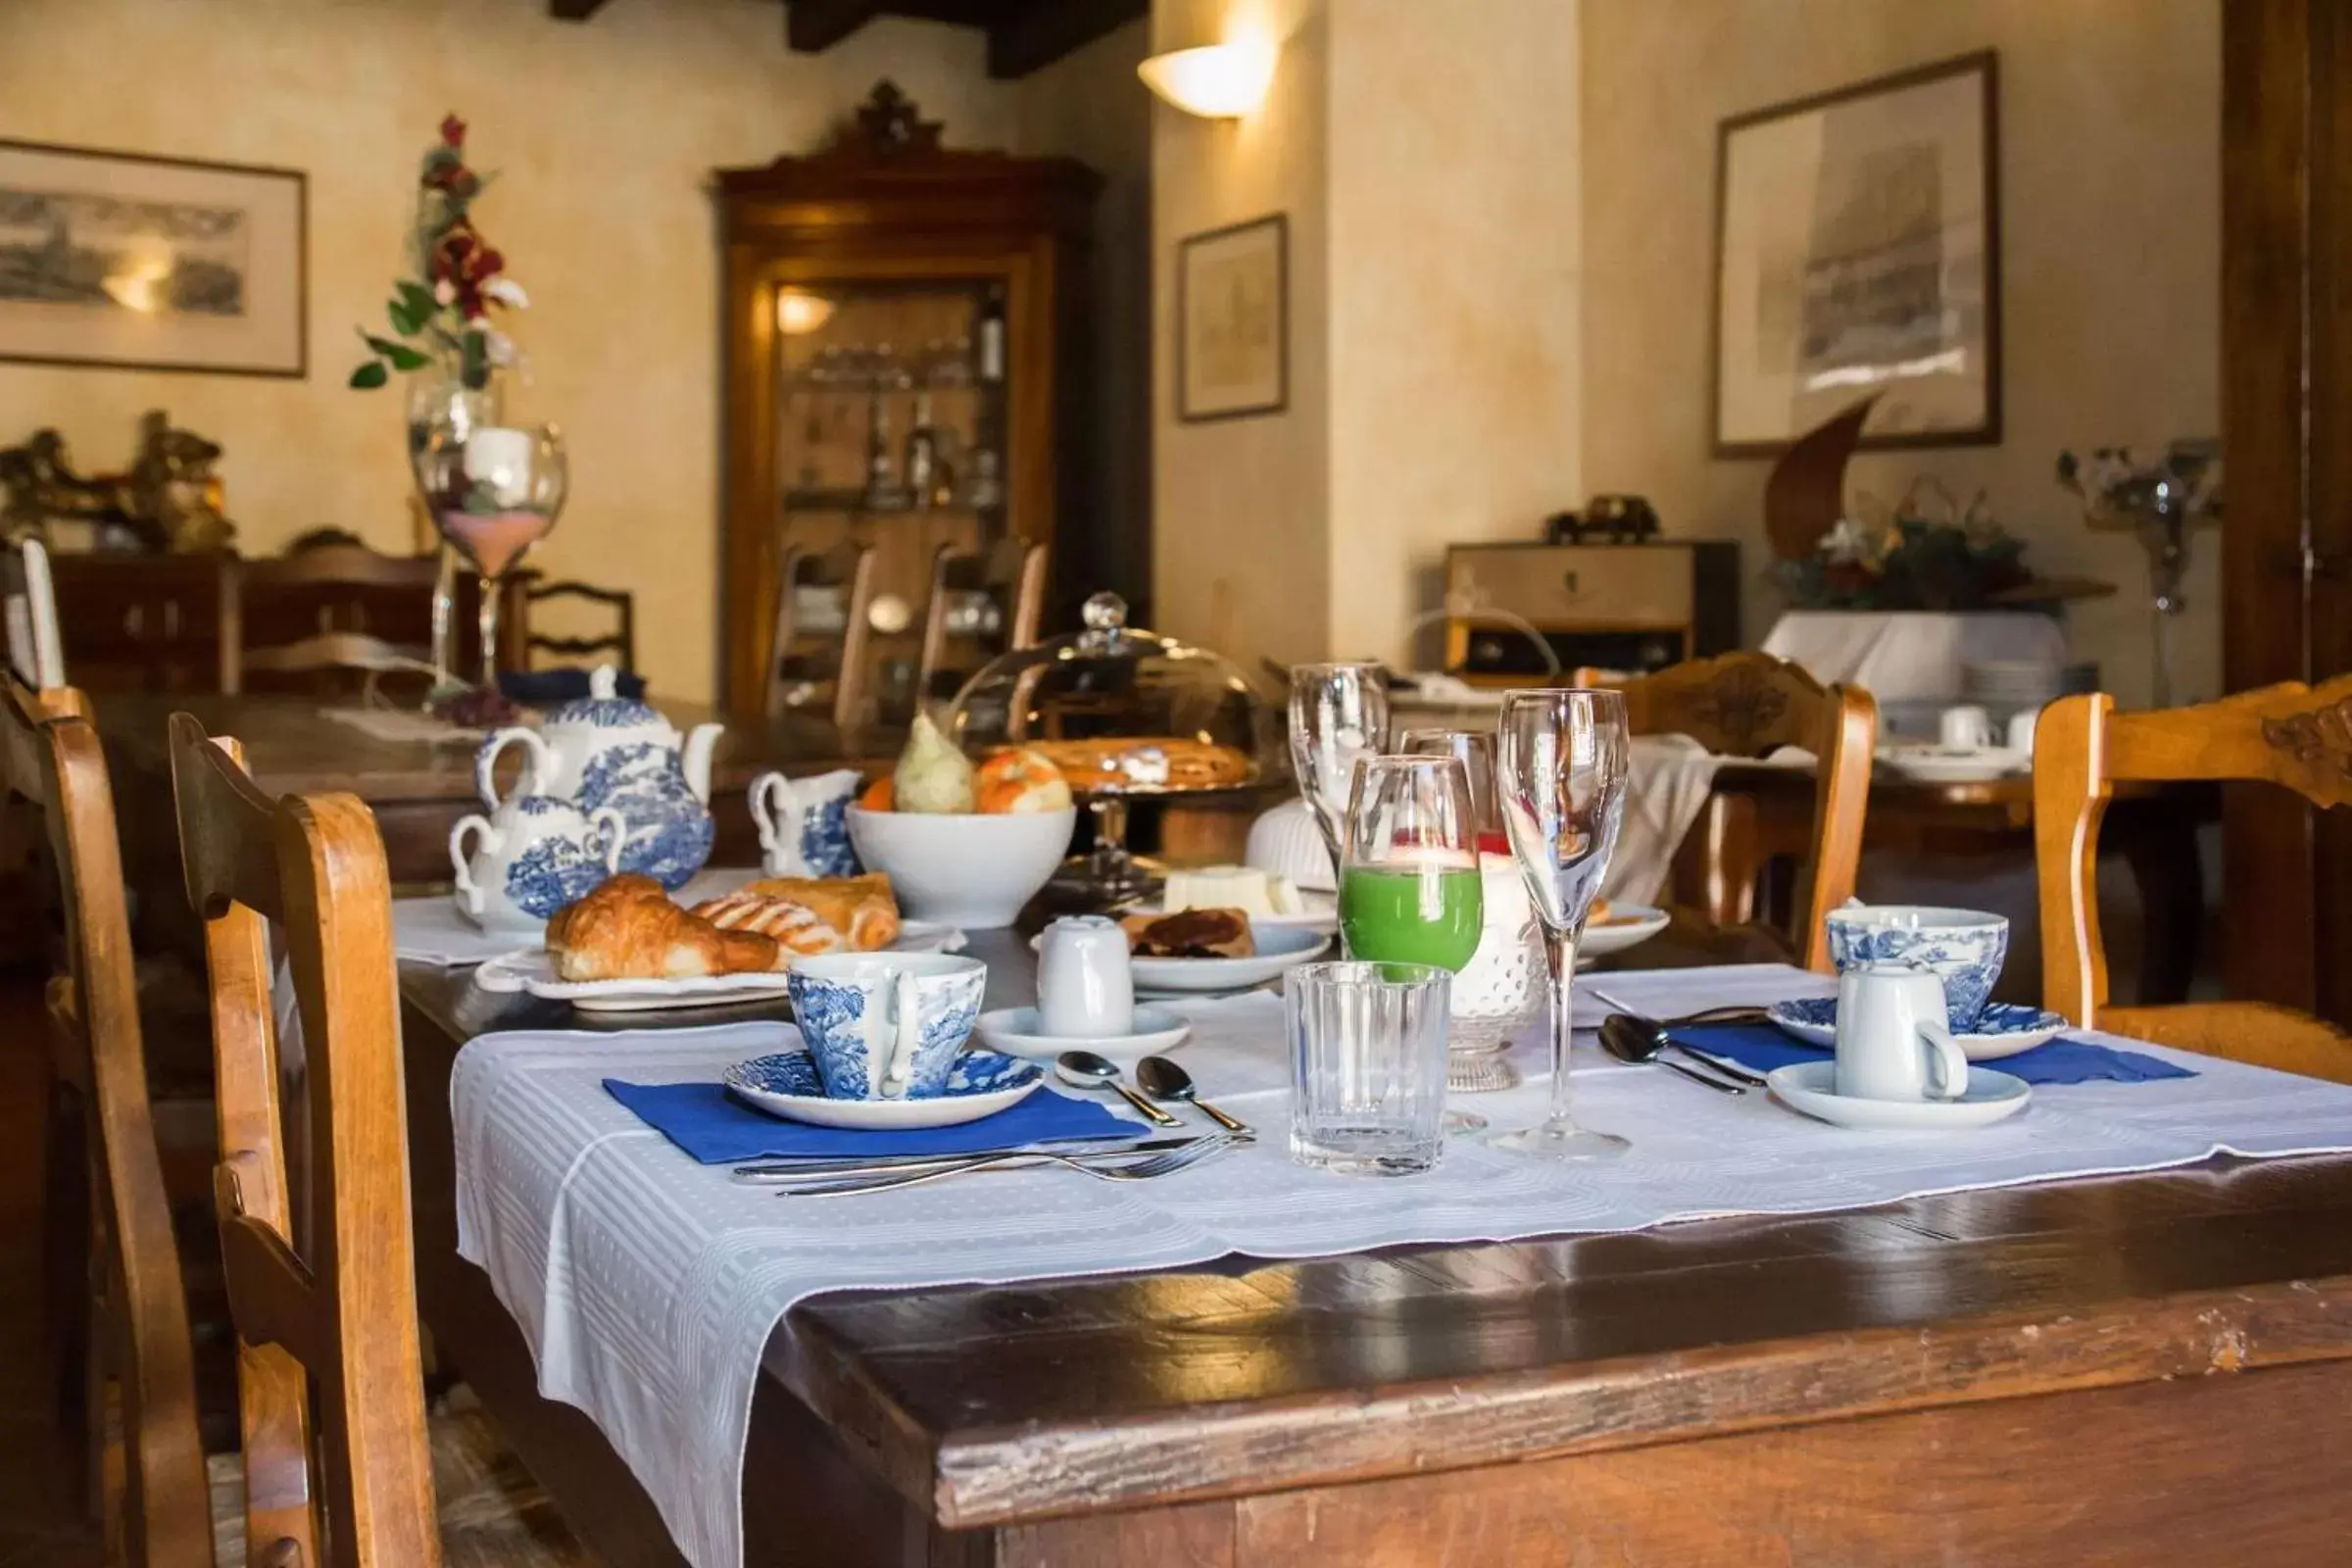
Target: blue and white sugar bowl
{"points": [[1965, 949], [886, 1025], [532, 857], [606, 751]]}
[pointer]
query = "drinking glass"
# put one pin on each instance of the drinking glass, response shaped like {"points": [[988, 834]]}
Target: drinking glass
{"points": [[493, 491], [1339, 712], [1367, 1065], [1561, 759], [1409, 868], [1473, 749]]}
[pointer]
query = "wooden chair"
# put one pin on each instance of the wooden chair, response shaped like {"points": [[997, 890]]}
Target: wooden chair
{"points": [[618, 646], [1751, 704], [121, 1306], [1010, 576], [2293, 735], [339, 583], [807, 665]]}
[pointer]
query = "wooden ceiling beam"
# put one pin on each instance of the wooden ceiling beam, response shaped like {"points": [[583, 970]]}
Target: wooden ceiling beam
{"points": [[1035, 35], [573, 10], [811, 27]]}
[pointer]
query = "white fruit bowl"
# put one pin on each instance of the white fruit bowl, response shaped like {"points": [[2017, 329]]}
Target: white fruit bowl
{"points": [[973, 871]]}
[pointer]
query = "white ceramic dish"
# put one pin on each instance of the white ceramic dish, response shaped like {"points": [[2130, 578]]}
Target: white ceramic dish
{"points": [[1279, 948], [786, 1085], [2008, 1027], [1630, 925], [1954, 764], [1014, 1031], [1810, 1087], [973, 871], [533, 970], [1320, 911]]}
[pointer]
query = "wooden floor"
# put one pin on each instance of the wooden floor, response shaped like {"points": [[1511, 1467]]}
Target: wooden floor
{"points": [[39, 1517]]}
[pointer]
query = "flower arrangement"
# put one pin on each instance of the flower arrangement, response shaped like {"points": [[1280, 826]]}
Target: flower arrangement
{"points": [[1921, 557], [440, 315]]}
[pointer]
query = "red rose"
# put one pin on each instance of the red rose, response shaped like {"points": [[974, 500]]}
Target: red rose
{"points": [[453, 131]]}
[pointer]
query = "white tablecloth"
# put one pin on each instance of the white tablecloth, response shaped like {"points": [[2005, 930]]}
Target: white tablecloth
{"points": [[1911, 655], [646, 1284]]}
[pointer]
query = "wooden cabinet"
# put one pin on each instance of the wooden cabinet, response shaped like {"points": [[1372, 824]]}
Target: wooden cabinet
{"points": [[903, 327]]}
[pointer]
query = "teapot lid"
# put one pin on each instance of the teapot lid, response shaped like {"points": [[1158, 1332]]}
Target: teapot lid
{"points": [[604, 707]]}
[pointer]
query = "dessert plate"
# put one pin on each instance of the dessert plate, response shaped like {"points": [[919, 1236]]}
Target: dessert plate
{"points": [[1016, 1031], [1629, 925], [2003, 1028], [1319, 912], [1954, 764], [1279, 948], [786, 1083], [1811, 1087]]}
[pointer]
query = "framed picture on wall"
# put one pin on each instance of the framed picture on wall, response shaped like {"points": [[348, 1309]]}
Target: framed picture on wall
{"points": [[1233, 321], [152, 264], [1857, 251]]}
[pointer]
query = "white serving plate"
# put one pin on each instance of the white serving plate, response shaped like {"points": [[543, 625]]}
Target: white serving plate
{"points": [[1629, 926], [1014, 1031], [1954, 764], [1810, 1087], [1319, 912], [786, 1083], [533, 970]]}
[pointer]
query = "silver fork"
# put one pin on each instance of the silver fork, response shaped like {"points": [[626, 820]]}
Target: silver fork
{"points": [[1143, 1170]]}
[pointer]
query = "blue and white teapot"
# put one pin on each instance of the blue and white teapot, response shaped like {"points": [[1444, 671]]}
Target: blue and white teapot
{"points": [[605, 751]]}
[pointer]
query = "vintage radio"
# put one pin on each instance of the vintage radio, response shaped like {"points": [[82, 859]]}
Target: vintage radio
{"points": [[1635, 607]]}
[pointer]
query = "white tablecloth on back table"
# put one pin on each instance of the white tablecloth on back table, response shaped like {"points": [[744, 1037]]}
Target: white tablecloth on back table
{"points": [[1911, 655], [646, 1284]]}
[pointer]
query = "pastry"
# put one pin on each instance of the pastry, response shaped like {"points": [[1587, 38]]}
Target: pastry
{"points": [[1241, 887], [933, 775], [1021, 780], [629, 929], [861, 908], [1192, 934], [1166, 764], [800, 931]]}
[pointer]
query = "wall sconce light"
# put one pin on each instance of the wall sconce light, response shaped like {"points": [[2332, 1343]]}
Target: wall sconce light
{"points": [[798, 311], [1216, 82]]}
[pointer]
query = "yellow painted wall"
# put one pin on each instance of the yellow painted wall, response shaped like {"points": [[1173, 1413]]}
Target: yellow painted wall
{"points": [[603, 135], [2110, 184]]}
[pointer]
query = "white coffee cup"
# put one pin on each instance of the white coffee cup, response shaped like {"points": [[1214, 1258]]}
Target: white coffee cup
{"points": [[2021, 730], [1967, 725], [1085, 985], [1892, 1039]]}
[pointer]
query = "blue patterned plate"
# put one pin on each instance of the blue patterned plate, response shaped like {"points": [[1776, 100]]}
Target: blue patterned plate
{"points": [[2003, 1028], [980, 1083]]}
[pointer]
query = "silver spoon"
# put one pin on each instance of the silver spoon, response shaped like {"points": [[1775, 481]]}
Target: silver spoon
{"points": [[1628, 1042], [1163, 1079], [1086, 1071]]}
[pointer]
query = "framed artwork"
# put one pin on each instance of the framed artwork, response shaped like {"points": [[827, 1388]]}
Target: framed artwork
{"points": [[1857, 252], [150, 263], [1233, 321]]}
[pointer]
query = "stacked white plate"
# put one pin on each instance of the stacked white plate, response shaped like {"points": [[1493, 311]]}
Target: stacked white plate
{"points": [[2002, 687]]}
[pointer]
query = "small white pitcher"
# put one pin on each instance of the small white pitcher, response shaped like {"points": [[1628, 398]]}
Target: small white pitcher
{"points": [[1085, 985], [1892, 1039]]}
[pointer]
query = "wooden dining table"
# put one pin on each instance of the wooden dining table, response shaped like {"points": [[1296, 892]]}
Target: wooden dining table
{"points": [[2145, 1369]]}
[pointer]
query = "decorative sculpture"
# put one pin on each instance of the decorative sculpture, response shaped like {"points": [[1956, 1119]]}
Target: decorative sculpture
{"points": [[170, 499]]}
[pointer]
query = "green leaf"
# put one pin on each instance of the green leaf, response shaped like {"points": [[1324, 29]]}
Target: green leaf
{"points": [[371, 375], [419, 299], [405, 358], [403, 322]]}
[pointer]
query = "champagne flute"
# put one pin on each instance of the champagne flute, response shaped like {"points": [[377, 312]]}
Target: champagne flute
{"points": [[1560, 768], [1339, 713], [1409, 890]]}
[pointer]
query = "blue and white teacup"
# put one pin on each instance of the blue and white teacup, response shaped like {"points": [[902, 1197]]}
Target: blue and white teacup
{"points": [[803, 823], [1963, 948], [886, 1025]]}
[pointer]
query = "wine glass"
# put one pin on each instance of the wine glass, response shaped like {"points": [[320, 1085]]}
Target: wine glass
{"points": [[1560, 768], [1339, 712], [1409, 890], [493, 492]]}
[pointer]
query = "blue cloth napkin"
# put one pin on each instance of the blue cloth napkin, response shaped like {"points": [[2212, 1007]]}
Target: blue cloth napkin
{"points": [[717, 1129], [545, 688], [1762, 1047]]}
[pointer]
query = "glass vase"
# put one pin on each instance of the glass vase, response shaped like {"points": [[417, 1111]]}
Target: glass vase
{"points": [[440, 398]]}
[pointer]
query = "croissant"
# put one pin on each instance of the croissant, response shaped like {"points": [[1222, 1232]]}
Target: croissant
{"points": [[862, 908], [629, 929]]}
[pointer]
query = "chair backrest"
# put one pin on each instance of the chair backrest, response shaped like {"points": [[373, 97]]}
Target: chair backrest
{"points": [[825, 663], [333, 1329], [617, 645], [1752, 704], [49, 756], [1008, 581], [36, 653], [336, 583], [2292, 735]]}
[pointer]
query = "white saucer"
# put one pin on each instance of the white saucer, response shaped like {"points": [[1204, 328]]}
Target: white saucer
{"points": [[1319, 912], [1954, 764], [2005, 1028], [785, 1084], [1013, 1031], [1629, 925], [1810, 1087]]}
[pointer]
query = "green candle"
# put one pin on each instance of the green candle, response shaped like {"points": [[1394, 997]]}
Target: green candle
{"points": [[1411, 914]]}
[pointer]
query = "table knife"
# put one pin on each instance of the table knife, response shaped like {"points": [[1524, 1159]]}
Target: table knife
{"points": [[792, 1169]]}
